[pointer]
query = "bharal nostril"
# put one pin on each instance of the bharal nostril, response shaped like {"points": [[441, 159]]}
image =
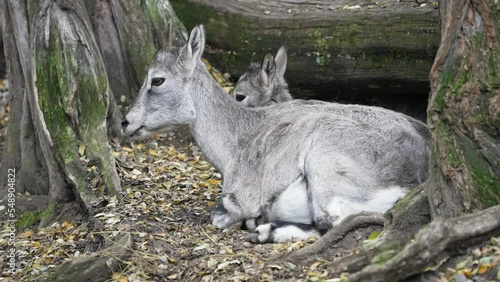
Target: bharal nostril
{"points": [[124, 123], [240, 97]]}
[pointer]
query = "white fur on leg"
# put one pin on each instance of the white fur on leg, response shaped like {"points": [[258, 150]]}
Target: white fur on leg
{"points": [[266, 233], [382, 200], [292, 204], [292, 232]]}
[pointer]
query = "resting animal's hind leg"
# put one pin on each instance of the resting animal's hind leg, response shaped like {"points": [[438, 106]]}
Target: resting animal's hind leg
{"points": [[334, 184], [282, 231]]}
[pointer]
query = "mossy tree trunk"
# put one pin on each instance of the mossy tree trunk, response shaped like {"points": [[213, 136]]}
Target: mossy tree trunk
{"points": [[65, 59], [462, 196], [60, 151], [129, 33], [63, 66], [464, 109]]}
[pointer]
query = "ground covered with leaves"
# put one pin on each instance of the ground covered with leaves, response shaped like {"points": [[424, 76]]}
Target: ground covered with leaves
{"points": [[168, 190]]}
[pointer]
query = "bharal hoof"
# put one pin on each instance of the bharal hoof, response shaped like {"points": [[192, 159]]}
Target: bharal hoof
{"points": [[220, 218], [262, 234]]}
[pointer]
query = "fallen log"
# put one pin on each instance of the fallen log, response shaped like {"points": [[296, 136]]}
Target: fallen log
{"points": [[335, 47]]}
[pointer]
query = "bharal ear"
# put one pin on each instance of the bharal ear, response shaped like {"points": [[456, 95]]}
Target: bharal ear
{"points": [[193, 50], [169, 35], [268, 69], [281, 60]]}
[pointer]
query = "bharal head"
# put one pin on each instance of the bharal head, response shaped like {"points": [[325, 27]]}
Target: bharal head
{"points": [[165, 98], [257, 86]]}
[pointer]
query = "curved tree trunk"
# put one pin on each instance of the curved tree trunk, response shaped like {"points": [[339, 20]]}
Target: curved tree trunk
{"points": [[62, 104], [384, 47], [63, 66], [64, 100], [464, 109]]}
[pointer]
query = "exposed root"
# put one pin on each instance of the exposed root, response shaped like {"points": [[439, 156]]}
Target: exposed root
{"points": [[337, 234], [441, 240]]}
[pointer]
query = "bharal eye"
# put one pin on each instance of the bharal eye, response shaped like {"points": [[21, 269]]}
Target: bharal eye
{"points": [[157, 81]]}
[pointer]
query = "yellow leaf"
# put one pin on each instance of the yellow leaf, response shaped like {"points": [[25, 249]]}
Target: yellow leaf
{"points": [[36, 244], [207, 64], [468, 272], [67, 225], [152, 152], [128, 149], [81, 149], [483, 268], [27, 233], [140, 146], [116, 154], [172, 277], [312, 274], [119, 277], [213, 181], [315, 265]]}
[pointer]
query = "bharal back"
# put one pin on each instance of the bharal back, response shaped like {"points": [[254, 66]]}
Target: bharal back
{"points": [[303, 162]]}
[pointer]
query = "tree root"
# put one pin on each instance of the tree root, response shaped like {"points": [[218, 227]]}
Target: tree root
{"points": [[96, 267], [334, 236], [441, 240]]}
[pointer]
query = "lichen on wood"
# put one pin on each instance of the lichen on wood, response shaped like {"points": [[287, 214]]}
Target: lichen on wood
{"points": [[74, 97], [329, 47]]}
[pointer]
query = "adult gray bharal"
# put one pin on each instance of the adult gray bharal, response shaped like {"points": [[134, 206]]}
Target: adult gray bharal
{"points": [[306, 164]]}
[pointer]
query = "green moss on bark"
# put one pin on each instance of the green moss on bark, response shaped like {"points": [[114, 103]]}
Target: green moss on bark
{"points": [[486, 191], [73, 96], [31, 218], [384, 257], [336, 50]]}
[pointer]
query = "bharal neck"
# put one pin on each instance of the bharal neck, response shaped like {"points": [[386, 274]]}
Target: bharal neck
{"points": [[220, 122]]}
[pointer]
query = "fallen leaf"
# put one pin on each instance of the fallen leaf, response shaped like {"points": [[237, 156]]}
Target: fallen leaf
{"points": [[135, 172], [483, 268], [81, 149], [201, 247], [461, 265], [468, 272], [227, 263]]}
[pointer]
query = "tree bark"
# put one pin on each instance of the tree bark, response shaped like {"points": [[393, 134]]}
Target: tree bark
{"points": [[129, 33], [464, 110], [64, 100], [3, 64], [378, 48], [63, 69]]}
